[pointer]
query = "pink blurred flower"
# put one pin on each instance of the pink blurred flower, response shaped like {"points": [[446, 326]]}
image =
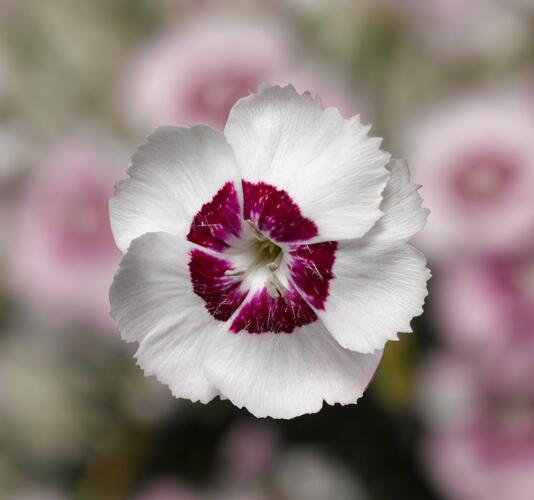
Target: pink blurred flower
{"points": [[475, 160], [196, 72], [249, 450], [60, 251], [485, 450], [486, 304]]}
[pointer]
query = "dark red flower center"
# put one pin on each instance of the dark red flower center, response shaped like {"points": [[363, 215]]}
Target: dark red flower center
{"points": [[259, 270]]}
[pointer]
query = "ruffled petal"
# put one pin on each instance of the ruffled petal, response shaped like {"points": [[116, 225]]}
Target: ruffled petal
{"points": [[283, 376], [155, 302], [327, 165], [401, 204], [367, 290], [179, 177], [376, 292]]}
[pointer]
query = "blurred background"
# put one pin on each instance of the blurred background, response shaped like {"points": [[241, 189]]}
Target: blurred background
{"points": [[447, 83]]}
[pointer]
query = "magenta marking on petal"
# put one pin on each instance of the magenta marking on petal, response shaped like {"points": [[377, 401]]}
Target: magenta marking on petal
{"points": [[265, 314], [218, 220], [221, 293], [311, 270], [275, 213]]}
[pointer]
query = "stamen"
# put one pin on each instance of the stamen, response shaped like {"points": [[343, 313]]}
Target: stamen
{"points": [[266, 254], [235, 272], [256, 230], [272, 290], [274, 286]]}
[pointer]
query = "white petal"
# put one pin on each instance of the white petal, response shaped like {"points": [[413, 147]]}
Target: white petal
{"points": [[153, 303], [376, 292], [172, 175], [286, 375], [401, 204], [379, 280], [328, 165]]}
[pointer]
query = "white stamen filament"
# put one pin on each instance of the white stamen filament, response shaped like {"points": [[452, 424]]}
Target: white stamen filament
{"points": [[238, 271], [265, 250], [274, 286], [256, 230]]}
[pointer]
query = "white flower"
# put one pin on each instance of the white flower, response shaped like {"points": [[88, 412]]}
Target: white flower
{"points": [[268, 265]]}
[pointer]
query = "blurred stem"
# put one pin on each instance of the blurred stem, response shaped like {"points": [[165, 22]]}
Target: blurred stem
{"points": [[393, 384], [115, 466]]}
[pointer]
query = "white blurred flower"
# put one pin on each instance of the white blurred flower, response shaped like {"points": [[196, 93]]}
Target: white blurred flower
{"points": [[287, 299], [308, 474], [446, 392]]}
